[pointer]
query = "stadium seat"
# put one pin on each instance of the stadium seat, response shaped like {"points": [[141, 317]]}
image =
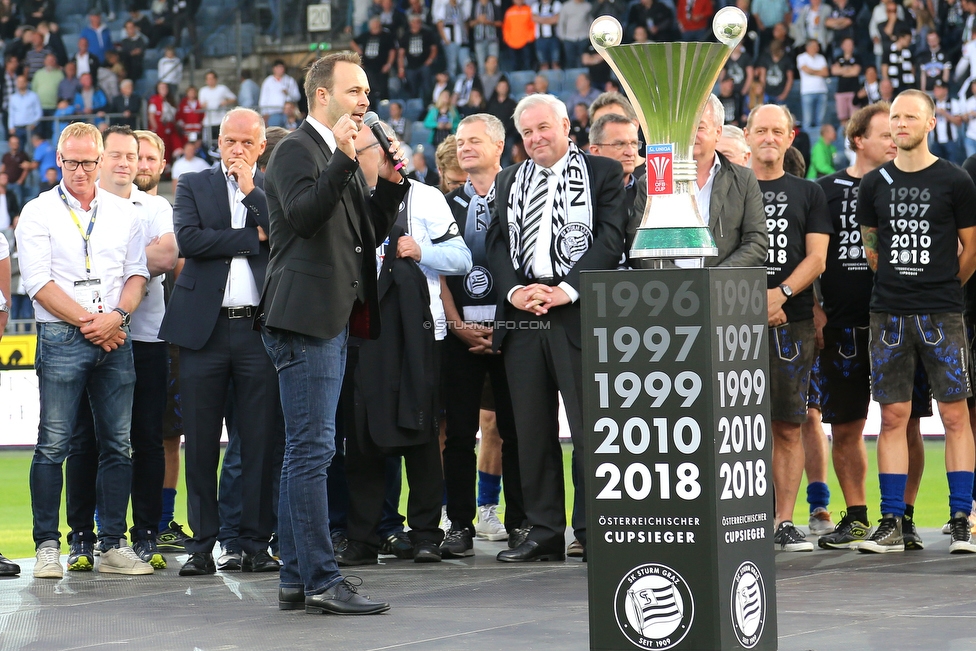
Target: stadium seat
{"points": [[557, 83], [570, 76], [414, 109], [419, 135], [383, 110], [519, 79]]}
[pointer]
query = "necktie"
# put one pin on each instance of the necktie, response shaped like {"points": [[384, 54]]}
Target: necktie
{"points": [[533, 217]]}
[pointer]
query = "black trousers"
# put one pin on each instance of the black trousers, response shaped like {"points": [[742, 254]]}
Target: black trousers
{"points": [[541, 363], [233, 352], [146, 439], [366, 475], [464, 376]]}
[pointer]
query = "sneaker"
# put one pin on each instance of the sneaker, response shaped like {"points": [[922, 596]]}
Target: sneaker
{"points": [[81, 556], [575, 549], [457, 544], [947, 528], [913, 541], [399, 545], [886, 538], [846, 535], [48, 565], [100, 547], [123, 560], [147, 550], [445, 521], [489, 526], [962, 537], [820, 522], [172, 538], [518, 536], [791, 539]]}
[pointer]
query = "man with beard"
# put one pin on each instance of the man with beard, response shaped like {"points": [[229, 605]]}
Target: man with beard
{"points": [[122, 153], [914, 213]]}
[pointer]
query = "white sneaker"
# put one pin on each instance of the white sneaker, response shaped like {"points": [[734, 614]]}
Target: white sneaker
{"points": [[48, 565], [123, 560], [445, 521], [820, 522], [489, 526]]}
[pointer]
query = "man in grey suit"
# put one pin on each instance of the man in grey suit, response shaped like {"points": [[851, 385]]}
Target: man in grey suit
{"points": [[728, 198], [320, 290]]}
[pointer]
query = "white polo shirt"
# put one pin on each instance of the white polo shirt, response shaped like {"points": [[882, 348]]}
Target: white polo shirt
{"points": [[156, 215]]}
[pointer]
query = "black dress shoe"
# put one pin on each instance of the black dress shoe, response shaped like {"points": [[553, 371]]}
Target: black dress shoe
{"points": [[343, 599], [518, 536], [291, 598], [530, 550], [8, 567], [199, 564], [426, 551], [355, 553], [260, 561]]}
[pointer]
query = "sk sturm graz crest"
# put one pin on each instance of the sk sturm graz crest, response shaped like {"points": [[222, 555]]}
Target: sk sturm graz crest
{"points": [[654, 606]]}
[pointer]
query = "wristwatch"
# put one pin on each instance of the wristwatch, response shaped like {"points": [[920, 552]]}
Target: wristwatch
{"points": [[787, 291], [125, 317], [4, 308]]}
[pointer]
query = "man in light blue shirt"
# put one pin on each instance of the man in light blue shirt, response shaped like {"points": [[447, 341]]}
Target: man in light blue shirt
{"points": [[23, 111], [249, 92]]}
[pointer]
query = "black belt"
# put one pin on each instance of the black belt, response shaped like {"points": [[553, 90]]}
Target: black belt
{"points": [[546, 280], [245, 312]]}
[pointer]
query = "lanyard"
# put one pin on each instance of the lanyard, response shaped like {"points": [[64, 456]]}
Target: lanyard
{"points": [[85, 235]]}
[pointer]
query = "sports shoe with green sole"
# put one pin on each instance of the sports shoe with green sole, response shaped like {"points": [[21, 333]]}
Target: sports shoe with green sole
{"points": [[149, 553], [81, 556], [172, 538], [848, 533]]}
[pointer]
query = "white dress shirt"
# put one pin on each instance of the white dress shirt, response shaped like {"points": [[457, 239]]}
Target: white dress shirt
{"points": [[52, 250], [156, 214], [240, 290], [323, 131], [275, 92], [704, 197]]}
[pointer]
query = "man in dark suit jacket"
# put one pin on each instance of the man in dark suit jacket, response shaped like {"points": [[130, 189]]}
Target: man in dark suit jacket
{"points": [[221, 221], [555, 215], [732, 205], [321, 289]]}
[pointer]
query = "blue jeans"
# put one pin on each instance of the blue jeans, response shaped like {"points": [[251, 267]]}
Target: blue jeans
{"points": [[547, 50], [970, 145], [310, 374], [814, 111], [456, 56], [483, 50], [67, 365], [574, 51]]}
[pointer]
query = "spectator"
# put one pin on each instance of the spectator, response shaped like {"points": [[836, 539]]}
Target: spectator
{"points": [[184, 17], [215, 100], [420, 8], [585, 93], [944, 141], [24, 111], [110, 74], [162, 20], [291, 117], [49, 181], [248, 93], [600, 72], [490, 75], [99, 36], [822, 153], [90, 100], [733, 145], [416, 56], [518, 32], [545, 15], [951, 21], [768, 14], [450, 17], [502, 106], [811, 22], [886, 91], [739, 68], [848, 72], [37, 11], [128, 104], [421, 172], [276, 89], [9, 210], [378, 48], [133, 47], [656, 17], [398, 123], [21, 44], [441, 82], [393, 19], [142, 22], [579, 126], [933, 63], [34, 59], [485, 20], [65, 108], [442, 119], [465, 84], [69, 84], [44, 157], [887, 16], [813, 85], [540, 85], [475, 104], [86, 61], [162, 120], [695, 19], [900, 62], [840, 22], [190, 116], [641, 35], [9, 20], [733, 103], [46, 82], [169, 70], [188, 162], [16, 165], [869, 92]]}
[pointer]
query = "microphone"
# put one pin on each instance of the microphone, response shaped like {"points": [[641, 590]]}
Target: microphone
{"points": [[372, 121]]}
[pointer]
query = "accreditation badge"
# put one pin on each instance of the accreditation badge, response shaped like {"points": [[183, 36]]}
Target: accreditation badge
{"points": [[88, 294]]}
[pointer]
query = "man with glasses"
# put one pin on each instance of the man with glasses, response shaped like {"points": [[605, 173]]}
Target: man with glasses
{"points": [[83, 262], [615, 136]]}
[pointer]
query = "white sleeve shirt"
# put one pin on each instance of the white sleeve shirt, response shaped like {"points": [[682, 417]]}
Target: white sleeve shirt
{"points": [[52, 249], [240, 290], [157, 220]]}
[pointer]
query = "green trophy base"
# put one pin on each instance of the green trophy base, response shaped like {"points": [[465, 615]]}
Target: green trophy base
{"points": [[683, 242]]}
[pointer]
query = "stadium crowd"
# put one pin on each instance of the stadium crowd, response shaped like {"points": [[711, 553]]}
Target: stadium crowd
{"points": [[172, 320]]}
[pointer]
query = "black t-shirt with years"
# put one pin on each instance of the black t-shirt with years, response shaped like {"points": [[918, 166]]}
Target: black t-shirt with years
{"points": [[376, 48], [847, 281], [917, 215], [794, 207], [736, 69], [417, 47]]}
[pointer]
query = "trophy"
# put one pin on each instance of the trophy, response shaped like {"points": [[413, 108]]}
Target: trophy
{"points": [[668, 84]]}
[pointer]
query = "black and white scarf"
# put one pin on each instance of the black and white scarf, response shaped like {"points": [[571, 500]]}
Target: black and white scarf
{"points": [[572, 213]]}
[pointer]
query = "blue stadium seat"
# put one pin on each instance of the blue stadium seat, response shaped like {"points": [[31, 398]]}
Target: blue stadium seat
{"points": [[519, 79], [557, 83], [383, 110], [414, 109], [566, 96], [570, 75], [420, 135]]}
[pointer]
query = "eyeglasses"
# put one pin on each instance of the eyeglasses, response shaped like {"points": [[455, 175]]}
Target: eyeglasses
{"points": [[453, 184], [618, 145], [367, 147], [72, 165]]}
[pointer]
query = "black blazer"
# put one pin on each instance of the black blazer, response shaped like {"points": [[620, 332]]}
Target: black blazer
{"points": [[202, 220], [323, 254], [609, 220], [396, 381]]}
